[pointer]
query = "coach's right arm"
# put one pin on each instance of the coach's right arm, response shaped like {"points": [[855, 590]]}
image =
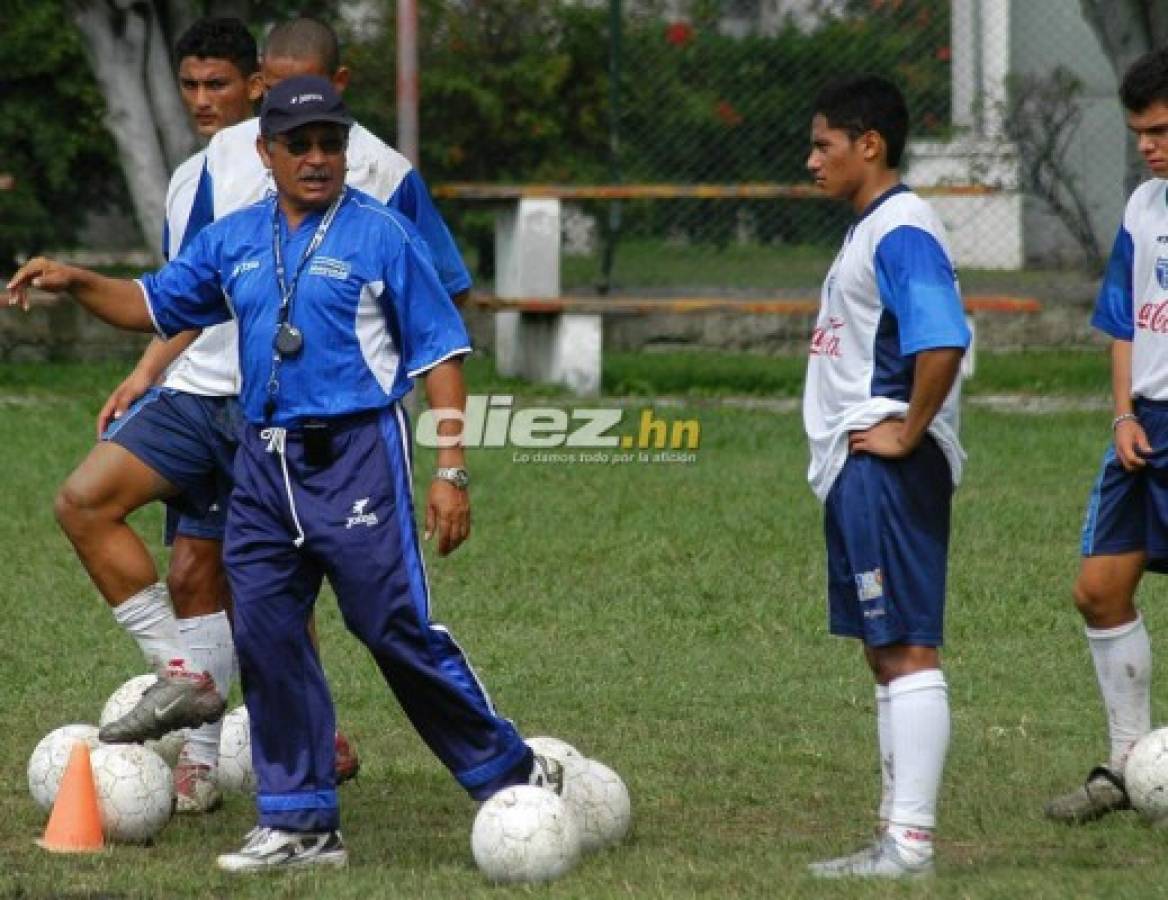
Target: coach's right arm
{"points": [[118, 301]]}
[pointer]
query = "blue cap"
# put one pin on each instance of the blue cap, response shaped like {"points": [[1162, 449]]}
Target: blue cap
{"points": [[301, 100]]}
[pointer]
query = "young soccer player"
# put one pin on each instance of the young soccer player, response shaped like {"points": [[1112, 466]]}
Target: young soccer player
{"points": [[880, 409], [1125, 532]]}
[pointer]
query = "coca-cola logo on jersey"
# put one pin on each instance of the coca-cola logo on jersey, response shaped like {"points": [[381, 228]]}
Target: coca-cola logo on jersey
{"points": [[1153, 317], [824, 341]]}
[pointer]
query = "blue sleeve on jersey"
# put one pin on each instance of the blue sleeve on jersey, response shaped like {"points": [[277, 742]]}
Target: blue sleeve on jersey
{"points": [[1114, 307], [918, 286], [202, 209], [413, 201], [428, 324], [186, 292]]}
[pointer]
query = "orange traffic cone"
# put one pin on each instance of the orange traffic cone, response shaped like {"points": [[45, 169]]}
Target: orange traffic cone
{"points": [[75, 823]]}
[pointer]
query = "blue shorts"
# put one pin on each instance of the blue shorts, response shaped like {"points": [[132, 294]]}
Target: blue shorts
{"points": [[190, 441], [887, 529], [1128, 511]]}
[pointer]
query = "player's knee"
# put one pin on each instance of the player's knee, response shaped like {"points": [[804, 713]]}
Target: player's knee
{"points": [[73, 508], [1097, 604]]}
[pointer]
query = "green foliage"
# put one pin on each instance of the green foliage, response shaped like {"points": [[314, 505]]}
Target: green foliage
{"points": [[52, 135]]}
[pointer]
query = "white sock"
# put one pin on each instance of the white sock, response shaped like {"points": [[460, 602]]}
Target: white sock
{"points": [[1123, 666], [919, 715], [149, 619], [208, 640], [884, 742]]}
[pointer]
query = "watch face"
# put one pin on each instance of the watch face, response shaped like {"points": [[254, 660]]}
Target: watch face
{"points": [[458, 477]]}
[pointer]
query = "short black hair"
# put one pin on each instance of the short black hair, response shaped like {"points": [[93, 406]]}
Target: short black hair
{"points": [[863, 103], [1145, 81], [305, 38], [220, 38]]}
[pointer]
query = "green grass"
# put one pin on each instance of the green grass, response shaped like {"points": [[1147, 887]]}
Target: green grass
{"points": [[668, 620]]}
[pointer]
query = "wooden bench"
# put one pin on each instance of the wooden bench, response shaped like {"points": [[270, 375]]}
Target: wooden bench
{"points": [[543, 336]]}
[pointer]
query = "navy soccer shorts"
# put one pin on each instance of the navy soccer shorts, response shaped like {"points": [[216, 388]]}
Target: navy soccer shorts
{"points": [[1128, 511], [190, 441], [887, 529]]}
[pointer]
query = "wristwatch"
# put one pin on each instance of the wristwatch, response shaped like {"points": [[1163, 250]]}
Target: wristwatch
{"points": [[460, 478]]}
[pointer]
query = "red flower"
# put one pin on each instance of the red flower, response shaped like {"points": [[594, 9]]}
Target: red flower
{"points": [[944, 53], [679, 33], [729, 116]]}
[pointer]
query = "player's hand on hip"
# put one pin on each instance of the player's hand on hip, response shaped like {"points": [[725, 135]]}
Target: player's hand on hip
{"points": [[123, 397], [447, 515], [38, 272], [1131, 444], [884, 439]]}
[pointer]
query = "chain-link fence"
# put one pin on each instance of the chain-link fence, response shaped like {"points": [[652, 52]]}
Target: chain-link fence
{"points": [[1017, 136]]}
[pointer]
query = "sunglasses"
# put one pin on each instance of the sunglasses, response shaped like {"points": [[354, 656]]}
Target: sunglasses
{"points": [[300, 146]]}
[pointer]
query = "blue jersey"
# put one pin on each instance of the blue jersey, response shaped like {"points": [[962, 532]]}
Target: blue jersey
{"points": [[368, 302], [891, 293]]}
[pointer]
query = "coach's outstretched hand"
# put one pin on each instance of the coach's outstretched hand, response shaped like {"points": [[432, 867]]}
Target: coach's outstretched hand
{"points": [[42, 273]]}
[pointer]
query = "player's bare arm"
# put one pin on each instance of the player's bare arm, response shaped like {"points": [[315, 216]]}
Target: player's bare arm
{"points": [[1131, 443], [448, 506], [150, 368], [117, 301], [933, 375]]}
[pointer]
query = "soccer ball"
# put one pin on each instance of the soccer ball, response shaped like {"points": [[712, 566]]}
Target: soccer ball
{"points": [[1145, 776], [599, 801], [135, 792], [47, 764], [554, 747], [126, 698], [524, 834], [235, 769]]}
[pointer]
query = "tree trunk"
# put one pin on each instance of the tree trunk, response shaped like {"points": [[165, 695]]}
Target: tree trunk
{"points": [[116, 42], [170, 116], [1127, 29]]}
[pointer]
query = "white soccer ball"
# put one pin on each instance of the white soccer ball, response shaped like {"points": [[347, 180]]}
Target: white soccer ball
{"points": [[555, 748], [135, 792], [599, 801], [126, 698], [47, 764], [524, 834], [1146, 776], [235, 768]]}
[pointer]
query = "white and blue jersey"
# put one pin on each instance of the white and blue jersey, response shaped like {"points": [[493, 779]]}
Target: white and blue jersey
{"points": [[891, 293], [232, 176], [1133, 299], [369, 304]]}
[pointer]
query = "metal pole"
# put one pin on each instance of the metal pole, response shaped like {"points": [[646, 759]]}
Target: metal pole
{"points": [[407, 79], [614, 93]]}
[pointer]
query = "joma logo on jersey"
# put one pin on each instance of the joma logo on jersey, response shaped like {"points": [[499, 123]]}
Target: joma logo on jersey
{"points": [[824, 341], [330, 268], [358, 516], [246, 266]]}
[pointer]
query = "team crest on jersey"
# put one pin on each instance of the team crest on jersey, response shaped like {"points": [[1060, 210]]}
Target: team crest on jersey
{"points": [[1162, 272], [358, 516], [825, 341], [330, 268], [870, 585]]}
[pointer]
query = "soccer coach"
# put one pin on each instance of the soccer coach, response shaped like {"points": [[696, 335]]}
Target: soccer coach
{"points": [[338, 308]]}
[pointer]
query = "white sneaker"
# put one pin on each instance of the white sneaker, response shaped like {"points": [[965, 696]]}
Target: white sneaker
{"points": [[881, 860], [272, 848]]}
